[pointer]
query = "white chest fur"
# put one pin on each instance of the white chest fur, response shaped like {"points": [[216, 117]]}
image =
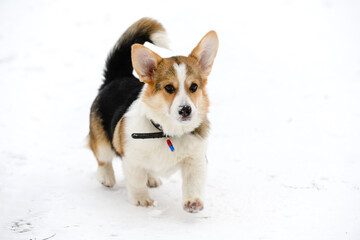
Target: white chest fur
{"points": [[154, 155]]}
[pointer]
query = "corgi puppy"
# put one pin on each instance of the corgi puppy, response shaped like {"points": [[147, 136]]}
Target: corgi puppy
{"points": [[158, 123]]}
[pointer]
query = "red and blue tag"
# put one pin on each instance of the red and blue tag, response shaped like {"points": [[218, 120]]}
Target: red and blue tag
{"points": [[170, 145]]}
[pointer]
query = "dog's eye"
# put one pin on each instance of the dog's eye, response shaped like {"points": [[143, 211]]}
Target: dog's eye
{"points": [[170, 88], [193, 87]]}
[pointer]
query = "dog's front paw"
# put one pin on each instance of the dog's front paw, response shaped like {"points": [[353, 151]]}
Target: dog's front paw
{"points": [[146, 202], [193, 206]]}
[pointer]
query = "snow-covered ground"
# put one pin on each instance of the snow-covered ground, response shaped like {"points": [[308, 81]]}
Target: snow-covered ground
{"points": [[284, 153]]}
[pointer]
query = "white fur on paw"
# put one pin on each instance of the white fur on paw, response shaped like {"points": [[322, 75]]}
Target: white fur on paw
{"points": [[106, 176], [193, 206], [153, 182], [146, 202]]}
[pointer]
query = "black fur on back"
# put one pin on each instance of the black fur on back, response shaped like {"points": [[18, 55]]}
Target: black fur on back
{"points": [[120, 88]]}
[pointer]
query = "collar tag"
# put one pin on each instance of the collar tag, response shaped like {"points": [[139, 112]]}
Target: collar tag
{"points": [[154, 135], [170, 145]]}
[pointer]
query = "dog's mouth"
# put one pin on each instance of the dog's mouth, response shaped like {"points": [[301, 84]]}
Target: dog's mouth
{"points": [[185, 120]]}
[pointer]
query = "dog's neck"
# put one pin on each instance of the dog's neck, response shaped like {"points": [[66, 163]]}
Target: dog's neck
{"points": [[154, 135]]}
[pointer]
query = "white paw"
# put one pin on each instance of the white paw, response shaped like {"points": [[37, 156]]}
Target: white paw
{"points": [[193, 206], [145, 202], [153, 182], [105, 175]]}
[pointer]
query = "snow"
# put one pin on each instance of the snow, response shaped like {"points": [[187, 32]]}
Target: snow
{"points": [[284, 150]]}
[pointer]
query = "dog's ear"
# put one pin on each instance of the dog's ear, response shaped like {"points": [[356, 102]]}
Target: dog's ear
{"points": [[205, 52], [145, 62]]}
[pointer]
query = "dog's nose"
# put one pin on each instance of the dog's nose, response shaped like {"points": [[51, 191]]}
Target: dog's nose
{"points": [[185, 110]]}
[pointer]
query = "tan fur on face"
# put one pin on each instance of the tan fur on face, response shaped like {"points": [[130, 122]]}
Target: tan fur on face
{"points": [[155, 94]]}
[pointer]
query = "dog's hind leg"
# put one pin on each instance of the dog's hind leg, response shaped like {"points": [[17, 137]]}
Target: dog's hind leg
{"points": [[102, 150], [105, 171]]}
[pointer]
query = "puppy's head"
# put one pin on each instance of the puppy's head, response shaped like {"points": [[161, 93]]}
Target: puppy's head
{"points": [[175, 94]]}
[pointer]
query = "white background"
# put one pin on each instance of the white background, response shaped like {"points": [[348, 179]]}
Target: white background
{"points": [[284, 151]]}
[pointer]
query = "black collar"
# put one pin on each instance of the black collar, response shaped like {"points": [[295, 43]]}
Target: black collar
{"points": [[150, 135]]}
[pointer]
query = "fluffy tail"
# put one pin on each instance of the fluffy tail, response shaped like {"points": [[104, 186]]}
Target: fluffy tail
{"points": [[118, 63]]}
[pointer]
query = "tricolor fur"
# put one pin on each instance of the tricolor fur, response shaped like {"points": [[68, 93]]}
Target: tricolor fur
{"points": [[172, 93]]}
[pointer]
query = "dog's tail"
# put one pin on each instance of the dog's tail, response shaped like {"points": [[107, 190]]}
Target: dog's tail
{"points": [[118, 63]]}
